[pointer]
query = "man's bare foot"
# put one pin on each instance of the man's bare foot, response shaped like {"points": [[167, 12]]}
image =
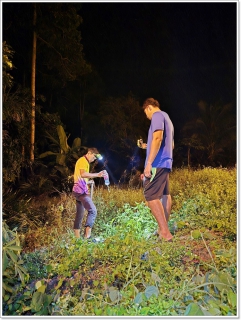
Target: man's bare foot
{"points": [[160, 238], [77, 233], [87, 232]]}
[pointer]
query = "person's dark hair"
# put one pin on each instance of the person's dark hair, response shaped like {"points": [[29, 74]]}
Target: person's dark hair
{"points": [[93, 150], [152, 102]]}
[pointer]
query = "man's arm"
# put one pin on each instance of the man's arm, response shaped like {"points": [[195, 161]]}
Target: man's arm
{"points": [[85, 174], [157, 137]]}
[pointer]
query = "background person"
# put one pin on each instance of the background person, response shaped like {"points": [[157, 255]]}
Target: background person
{"points": [[158, 164], [81, 192]]}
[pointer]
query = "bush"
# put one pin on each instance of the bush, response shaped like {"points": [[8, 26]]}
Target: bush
{"points": [[128, 272]]}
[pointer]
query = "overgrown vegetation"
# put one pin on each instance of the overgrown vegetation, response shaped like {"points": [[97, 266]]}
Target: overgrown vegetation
{"points": [[126, 271]]}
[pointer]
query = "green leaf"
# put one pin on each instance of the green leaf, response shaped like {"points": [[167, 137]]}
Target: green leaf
{"points": [[224, 307], [26, 308], [76, 143], [21, 268], [138, 298], [62, 138], [7, 287], [85, 292], [196, 234], [12, 255], [37, 301], [150, 290], [226, 278], [96, 282], [113, 294], [193, 309], [232, 298], [15, 248], [98, 312], [21, 275], [49, 268], [144, 311], [214, 311], [41, 288], [208, 235], [48, 153], [60, 159], [10, 243], [38, 284], [5, 261], [155, 277], [222, 280], [181, 224], [47, 299], [214, 303], [72, 282]]}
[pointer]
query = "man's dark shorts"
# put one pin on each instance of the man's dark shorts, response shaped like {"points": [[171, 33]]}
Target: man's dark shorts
{"points": [[157, 186]]}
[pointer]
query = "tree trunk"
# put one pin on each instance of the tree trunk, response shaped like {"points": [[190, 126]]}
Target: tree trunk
{"points": [[188, 156], [33, 89]]}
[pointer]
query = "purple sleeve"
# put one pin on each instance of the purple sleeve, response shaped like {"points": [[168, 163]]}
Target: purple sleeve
{"points": [[157, 121]]}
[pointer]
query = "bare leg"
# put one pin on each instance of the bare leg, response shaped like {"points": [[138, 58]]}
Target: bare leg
{"points": [[158, 212], [87, 232], [167, 205], [77, 233]]}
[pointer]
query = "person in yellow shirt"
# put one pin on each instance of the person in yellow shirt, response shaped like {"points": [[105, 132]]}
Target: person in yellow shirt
{"points": [[81, 192]]}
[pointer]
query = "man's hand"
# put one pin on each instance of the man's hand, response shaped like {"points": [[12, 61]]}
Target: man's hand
{"points": [[147, 170], [102, 173], [141, 144], [90, 182]]}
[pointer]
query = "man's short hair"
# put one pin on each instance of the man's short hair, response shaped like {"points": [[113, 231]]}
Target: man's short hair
{"points": [[152, 102]]}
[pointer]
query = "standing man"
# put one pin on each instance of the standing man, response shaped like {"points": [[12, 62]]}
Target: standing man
{"points": [[81, 192], [158, 163], [166, 197]]}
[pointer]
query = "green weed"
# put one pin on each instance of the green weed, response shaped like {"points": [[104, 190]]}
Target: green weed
{"points": [[128, 272]]}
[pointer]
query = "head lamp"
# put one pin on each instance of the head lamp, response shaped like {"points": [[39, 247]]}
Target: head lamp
{"points": [[99, 156]]}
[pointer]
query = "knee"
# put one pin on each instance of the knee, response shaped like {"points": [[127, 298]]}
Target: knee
{"points": [[93, 212]]}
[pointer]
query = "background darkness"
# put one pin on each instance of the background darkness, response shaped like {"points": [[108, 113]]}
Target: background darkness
{"points": [[178, 53]]}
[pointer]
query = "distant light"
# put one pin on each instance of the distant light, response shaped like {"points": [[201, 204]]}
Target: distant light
{"points": [[99, 156]]}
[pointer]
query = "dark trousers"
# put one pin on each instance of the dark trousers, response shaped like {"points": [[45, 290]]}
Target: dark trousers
{"points": [[84, 202]]}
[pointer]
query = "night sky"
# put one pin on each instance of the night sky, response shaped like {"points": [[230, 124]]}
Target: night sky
{"points": [[177, 53]]}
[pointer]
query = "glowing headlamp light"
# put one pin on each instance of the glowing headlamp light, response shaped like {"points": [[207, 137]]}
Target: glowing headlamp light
{"points": [[99, 156]]}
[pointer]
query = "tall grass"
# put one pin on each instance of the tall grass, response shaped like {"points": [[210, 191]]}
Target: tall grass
{"points": [[129, 273]]}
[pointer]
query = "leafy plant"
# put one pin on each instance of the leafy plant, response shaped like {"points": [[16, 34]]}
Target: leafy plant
{"points": [[127, 272], [12, 264], [65, 156]]}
